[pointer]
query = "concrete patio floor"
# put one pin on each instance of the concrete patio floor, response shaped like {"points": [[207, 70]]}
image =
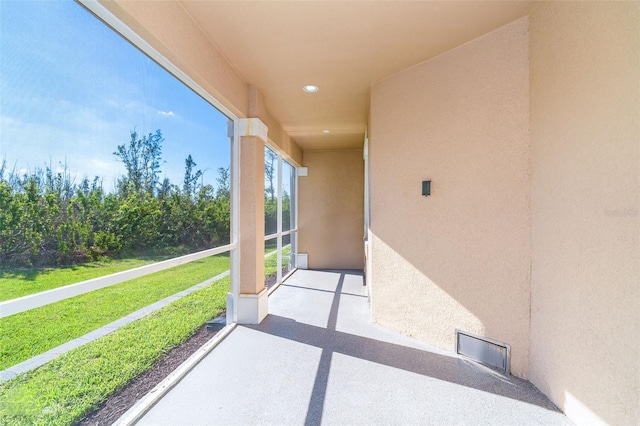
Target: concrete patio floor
{"points": [[318, 359]]}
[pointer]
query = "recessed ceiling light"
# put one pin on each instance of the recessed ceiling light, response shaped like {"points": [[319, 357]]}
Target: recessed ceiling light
{"points": [[310, 88], [326, 131]]}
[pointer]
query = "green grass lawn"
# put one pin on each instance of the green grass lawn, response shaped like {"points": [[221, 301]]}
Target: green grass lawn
{"points": [[271, 262], [33, 332], [22, 282], [63, 390]]}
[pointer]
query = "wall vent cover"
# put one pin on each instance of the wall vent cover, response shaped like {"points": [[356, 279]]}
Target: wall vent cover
{"points": [[483, 350]]}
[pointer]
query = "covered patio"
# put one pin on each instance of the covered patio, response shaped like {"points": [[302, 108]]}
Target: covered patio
{"points": [[478, 160], [318, 359]]}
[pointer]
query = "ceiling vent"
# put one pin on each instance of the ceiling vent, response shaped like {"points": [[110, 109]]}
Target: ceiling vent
{"points": [[483, 350]]}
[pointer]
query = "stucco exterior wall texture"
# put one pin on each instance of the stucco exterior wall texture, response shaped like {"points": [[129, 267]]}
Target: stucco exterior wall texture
{"points": [[252, 215], [530, 136], [331, 209], [585, 189], [277, 135], [459, 258]]}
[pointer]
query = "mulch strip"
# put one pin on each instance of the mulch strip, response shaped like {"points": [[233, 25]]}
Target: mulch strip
{"points": [[118, 403]]}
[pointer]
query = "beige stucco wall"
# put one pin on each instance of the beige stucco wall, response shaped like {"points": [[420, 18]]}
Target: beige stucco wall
{"points": [[459, 258], [585, 139], [252, 214], [277, 135], [331, 209]]}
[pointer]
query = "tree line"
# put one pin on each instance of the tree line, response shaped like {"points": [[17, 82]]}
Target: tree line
{"points": [[271, 200], [48, 219]]}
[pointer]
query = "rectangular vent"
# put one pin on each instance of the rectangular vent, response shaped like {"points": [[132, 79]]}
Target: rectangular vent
{"points": [[483, 350]]}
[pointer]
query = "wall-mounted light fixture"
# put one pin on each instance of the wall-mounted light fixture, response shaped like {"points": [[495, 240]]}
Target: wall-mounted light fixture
{"points": [[426, 187]]}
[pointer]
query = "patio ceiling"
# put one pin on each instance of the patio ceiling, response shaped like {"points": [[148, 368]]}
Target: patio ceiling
{"points": [[343, 47]]}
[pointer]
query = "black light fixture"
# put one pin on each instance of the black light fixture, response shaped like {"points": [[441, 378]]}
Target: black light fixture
{"points": [[426, 187]]}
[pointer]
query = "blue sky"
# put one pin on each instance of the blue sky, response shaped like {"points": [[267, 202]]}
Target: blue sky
{"points": [[72, 89]]}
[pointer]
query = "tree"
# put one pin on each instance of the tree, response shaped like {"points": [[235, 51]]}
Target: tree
{"points": [[270, 172], [46, 218], [224, 183], [220, 210], [286, 211], [165, 188], [190, 183], [141, 158]]}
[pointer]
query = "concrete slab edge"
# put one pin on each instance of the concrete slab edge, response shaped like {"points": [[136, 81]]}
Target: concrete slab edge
{"points": [[135, 413]]}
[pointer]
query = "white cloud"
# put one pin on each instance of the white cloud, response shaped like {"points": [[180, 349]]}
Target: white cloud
{"points": [[166, 113]]}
